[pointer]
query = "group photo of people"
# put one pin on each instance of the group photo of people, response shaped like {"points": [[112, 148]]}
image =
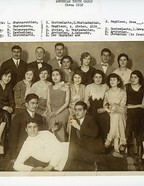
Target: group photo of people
{"points": [[72, 106]]}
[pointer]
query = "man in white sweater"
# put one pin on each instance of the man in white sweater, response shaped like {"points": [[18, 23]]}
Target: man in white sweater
{"points": [[42, 146]]}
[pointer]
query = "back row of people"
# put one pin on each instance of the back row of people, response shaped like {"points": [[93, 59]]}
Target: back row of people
{"points": [[65, 63]]}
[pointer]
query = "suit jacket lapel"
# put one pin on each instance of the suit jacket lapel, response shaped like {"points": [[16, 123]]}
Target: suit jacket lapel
{"points": [[13, 65], [35, 65], [84, 123], [20, 64], [108, 71], [101, 67]]}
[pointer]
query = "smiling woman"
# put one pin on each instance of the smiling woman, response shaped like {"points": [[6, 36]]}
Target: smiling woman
{"points": [[123, 71], [115, 105], [94, 96], [6, 105], [21, 89], [85, 69], [57, 105], [40, 89], [66, 67]]}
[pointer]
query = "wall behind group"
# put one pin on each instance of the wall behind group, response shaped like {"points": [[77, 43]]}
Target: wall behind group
{"points": [[135, 51]]}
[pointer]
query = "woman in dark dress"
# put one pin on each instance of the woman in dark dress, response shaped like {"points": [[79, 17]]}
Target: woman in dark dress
{"points": [[6, 105], [94, 95], [66, 68], [135, 109], [85, 69]]}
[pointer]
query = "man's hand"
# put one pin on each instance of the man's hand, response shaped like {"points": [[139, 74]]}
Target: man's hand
{"points": [[13, 160], [75, 124], [107, 110], [56, 127], [48, 168], [37, 169], [101, 110], [52, 114], [8, 109]]}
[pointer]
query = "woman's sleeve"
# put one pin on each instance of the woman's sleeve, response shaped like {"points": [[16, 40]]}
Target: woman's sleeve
{"points": [[19, 94], [33, 89], [105, 102], [48, 99], [87, 94], [124, 99], [83, 92], [11, 98]]}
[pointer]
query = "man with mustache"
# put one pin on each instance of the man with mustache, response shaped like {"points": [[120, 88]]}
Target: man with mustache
{"points": [[15, 64]]}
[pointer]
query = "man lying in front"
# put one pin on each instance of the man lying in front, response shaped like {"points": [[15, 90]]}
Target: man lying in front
{"points": [[42, 146]]}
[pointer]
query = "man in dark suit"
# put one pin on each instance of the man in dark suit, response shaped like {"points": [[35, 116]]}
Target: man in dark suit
{"points": [[59, 51], [84, 130], [15, 64], [39, 63], [105, 59], [17, 134], [86, 150]]}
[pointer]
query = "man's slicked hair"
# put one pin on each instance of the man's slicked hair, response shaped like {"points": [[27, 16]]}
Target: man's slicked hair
{"points": [[16, 47], [31, 120], [30, 97], [40, 48], [105, 50], [82, 103], [59, 44]]}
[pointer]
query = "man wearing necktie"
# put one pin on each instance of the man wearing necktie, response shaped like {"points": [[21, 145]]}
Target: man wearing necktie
{"points": [[105, 62], [15, 64], [39, 63], [59, 51]]}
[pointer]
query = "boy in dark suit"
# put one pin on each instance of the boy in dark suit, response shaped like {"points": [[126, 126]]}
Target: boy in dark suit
{"points": [[15, 64], [17, 134]]}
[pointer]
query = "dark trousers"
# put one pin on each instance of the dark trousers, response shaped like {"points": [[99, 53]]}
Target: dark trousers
{"points": [[80, 159]]}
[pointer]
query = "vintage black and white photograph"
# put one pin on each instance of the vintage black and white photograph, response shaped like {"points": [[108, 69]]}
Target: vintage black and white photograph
{"points": [[71, 106]]}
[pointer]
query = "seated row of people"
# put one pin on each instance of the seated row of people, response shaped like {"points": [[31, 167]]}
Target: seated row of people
{"points": [[107, 104]]}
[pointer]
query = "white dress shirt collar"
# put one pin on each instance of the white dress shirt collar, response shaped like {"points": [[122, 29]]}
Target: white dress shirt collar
{"points": [[81, 120], [59, 60], [31, 113], [16, 61], [104, 66]]}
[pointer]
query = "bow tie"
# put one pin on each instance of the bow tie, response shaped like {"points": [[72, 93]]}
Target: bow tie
{"points": [[104, 64], [59, 59]]}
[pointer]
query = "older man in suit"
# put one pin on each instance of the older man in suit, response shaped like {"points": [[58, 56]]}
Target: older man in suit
{"points": [[59, 51], [15, 64], [39, 63], [105, 59], [17, 134]]}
